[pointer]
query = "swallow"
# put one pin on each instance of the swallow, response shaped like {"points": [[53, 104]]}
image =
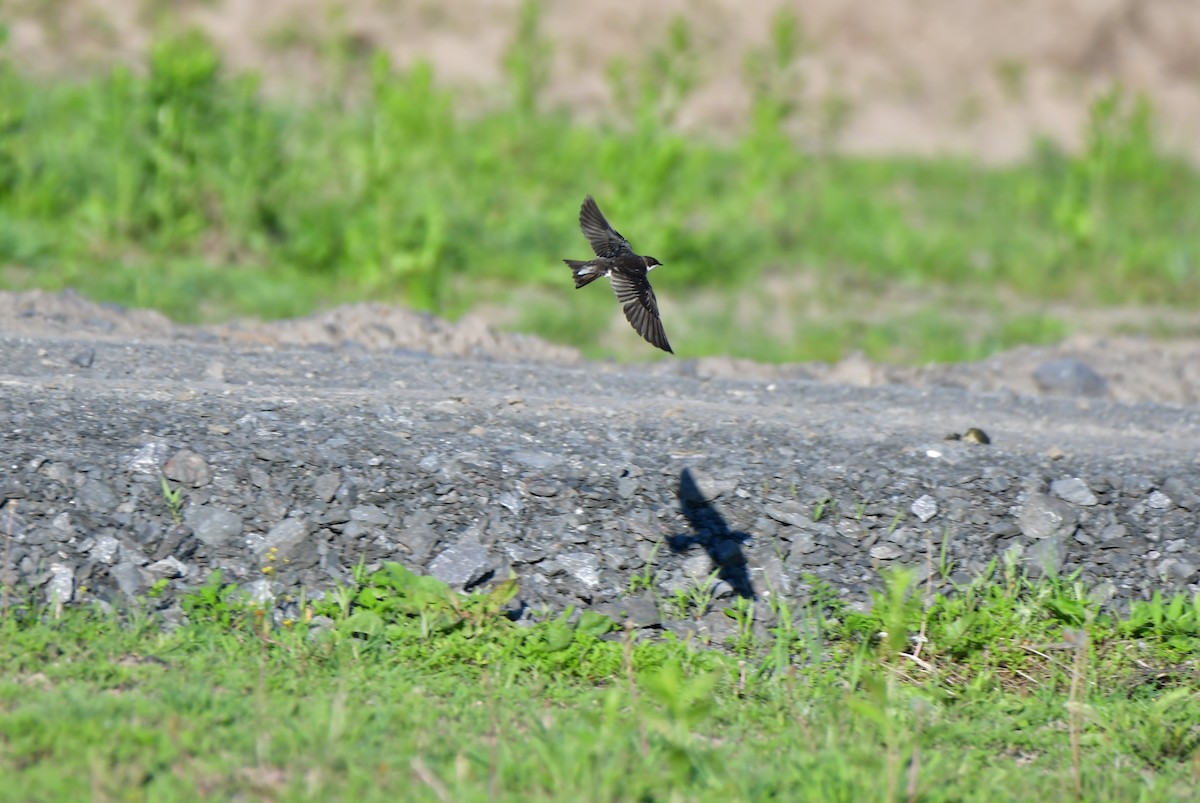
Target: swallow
{"points": [[626, 270]]}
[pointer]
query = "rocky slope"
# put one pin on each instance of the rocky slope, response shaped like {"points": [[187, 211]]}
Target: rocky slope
{"points": [[295, 463]]}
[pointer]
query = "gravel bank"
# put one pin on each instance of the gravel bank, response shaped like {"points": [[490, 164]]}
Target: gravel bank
{"points": [[577, 477]]}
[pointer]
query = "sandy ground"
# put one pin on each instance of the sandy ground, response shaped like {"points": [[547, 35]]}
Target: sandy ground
{"points": [[980, 77]]}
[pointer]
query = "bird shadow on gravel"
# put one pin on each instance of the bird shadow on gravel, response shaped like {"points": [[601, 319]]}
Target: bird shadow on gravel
{"points": [[710, 531]]}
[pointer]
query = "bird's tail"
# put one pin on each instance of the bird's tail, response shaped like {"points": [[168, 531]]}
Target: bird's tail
{"points": [[585, 272]]}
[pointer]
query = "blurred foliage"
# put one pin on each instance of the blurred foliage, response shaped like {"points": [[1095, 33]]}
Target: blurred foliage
{"points": [[182, 188]]}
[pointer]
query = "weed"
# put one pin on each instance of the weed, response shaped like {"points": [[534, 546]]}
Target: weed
{"points": [[742, 612], [1174, 623], [823, 507], [174, 499], [645, 580], [527, 61]]}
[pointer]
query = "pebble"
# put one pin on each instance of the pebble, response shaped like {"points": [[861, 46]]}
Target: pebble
{"points": [[129, 578], [104, 550], [213, 526], [583, 566], [370, 514], [1159, 501], [886, 551], [96, 495], [189, 468], [1045, 557], [149, 458], [61, 587], [1073, 490], [462, 564], [790, 512], [924, 508], [284, 539], [1045, 516]]}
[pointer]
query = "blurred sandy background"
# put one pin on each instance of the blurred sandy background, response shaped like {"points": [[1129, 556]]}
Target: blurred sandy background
{"points": [[977, 77]]}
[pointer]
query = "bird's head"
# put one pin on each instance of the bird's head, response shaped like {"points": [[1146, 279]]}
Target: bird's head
{"points": [[651, 263]]}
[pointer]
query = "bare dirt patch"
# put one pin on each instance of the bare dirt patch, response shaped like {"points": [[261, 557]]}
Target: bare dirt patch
{"points": [[982, 77]]}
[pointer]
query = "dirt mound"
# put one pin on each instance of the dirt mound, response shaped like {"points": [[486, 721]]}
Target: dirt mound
{"points": [[369, 326], [1123, 369]]}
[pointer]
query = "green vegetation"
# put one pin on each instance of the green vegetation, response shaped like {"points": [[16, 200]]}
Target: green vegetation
{"points": [[181, 187], [397, 688]]}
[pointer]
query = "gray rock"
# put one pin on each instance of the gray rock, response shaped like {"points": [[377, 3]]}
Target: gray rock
{"points": [[148, 459], [551, 568], [627, 487], [1111, 534], [1069, 377], [284, 538], [105, 549], [583, 566], [1136, 485], [1046, 556], [61, 587], [96, 495], [1043, 516], [640, 611], [542, 488], [462, 564], [510, 502], [418, 536], [259, 478], [519, 553], [535, 459], [325, 487], [1073, 490], [129, 577], [1178, 570], [803, 543], [59, 472], [769, 575], [705, 487], [213, 526], [371, 515], [924, 508], [790, 512], [260, 592], [168, 568], [698, 567], [189, 468], [718, 627], [1181, 493], [1159, 501], [886, 551]]}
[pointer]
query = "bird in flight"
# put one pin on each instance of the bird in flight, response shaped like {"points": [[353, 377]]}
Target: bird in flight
{"points": [[627, 271]]}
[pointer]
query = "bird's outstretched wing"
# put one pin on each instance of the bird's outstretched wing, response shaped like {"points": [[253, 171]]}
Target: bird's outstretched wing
{"points": [[641, 308], [606, 241]]}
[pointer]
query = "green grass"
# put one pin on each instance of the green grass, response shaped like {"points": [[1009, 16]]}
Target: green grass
{"points": [[181, 187], [399, 689]]}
